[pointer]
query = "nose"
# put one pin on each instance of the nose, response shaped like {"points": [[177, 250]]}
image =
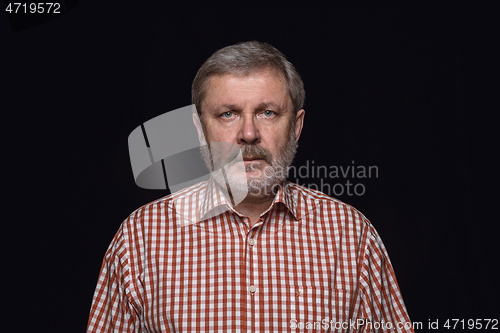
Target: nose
{"points": [[248, 133]]}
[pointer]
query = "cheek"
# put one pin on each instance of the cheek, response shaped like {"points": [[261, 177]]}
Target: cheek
{"points": [[218, 134], [275, 141]]}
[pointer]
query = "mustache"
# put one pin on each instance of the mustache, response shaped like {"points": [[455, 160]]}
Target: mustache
{"points": [[251, 151]]}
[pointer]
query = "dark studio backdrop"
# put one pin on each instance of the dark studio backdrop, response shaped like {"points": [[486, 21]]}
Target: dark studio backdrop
{"points": [[383, 86]]}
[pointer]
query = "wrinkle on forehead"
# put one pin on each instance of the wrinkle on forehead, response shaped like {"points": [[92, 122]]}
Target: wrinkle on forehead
{"points": [[212, 83]]}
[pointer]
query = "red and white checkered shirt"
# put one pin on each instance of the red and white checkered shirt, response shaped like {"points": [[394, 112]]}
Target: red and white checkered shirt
{"points": [[311, 263]]}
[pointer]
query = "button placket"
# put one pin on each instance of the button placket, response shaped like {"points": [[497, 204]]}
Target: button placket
{"points": [[252, 261]]}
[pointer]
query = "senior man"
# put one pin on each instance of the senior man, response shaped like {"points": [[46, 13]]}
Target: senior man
{"points": [[283, 258]]}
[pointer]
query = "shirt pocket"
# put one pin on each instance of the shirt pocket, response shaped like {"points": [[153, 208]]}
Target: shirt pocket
{"points": [[311, 308]]}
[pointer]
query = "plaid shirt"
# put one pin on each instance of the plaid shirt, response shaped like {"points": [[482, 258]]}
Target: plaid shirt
{"points": [[311, 263]]}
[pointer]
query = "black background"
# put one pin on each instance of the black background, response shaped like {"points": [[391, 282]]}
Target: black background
{"points": [[384, 87]]}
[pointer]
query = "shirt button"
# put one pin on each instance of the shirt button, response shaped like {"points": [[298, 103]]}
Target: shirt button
{"points": [[252, 288], [251, 242]]}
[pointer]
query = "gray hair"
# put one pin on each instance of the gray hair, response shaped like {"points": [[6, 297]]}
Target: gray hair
{"points": [[243, 59]]}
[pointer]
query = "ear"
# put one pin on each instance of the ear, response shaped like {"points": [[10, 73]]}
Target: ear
{"points": [[299, 123], [199, 128]]}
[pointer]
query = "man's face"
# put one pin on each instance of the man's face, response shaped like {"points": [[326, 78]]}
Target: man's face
{"points": [[253, 113]]}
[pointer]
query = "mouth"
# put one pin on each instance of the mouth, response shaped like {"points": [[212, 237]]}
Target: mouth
{"points": [[250, 159]]}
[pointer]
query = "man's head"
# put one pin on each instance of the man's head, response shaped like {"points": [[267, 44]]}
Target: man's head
{"points": [[249, 96], [242, 59]]}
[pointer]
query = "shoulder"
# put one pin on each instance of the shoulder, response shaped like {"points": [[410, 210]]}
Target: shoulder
{"points": [[163, 209], [320, 207]]}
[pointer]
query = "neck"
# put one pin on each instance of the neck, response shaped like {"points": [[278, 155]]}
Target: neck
{"points": [[254, 205]]}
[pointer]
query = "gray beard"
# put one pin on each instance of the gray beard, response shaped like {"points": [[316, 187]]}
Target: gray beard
{"points": [[268, 178]]}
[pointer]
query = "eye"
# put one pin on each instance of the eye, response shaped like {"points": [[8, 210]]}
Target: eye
{"points": [[268, 113], [227, 115]]}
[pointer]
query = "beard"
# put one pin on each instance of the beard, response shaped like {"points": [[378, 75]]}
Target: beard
{"points": [[254, 179]]}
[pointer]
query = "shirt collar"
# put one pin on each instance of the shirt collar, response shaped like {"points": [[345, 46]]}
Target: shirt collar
{"points": [[285, 196], [215, 200]]}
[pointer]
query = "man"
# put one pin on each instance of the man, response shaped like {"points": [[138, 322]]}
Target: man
{"points": [[280, 258]]}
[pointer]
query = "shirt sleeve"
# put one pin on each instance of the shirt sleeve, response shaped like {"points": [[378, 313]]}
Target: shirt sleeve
{"points": [[382, 306], [112, 310]]}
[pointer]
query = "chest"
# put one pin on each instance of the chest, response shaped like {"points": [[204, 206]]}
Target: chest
{"points": [[264, 276]]}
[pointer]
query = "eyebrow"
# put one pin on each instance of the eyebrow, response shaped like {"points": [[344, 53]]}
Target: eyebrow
{"points": [[263, 105]]}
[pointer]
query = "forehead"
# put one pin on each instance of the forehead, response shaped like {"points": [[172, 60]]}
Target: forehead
{"points": [[256, 88]]}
